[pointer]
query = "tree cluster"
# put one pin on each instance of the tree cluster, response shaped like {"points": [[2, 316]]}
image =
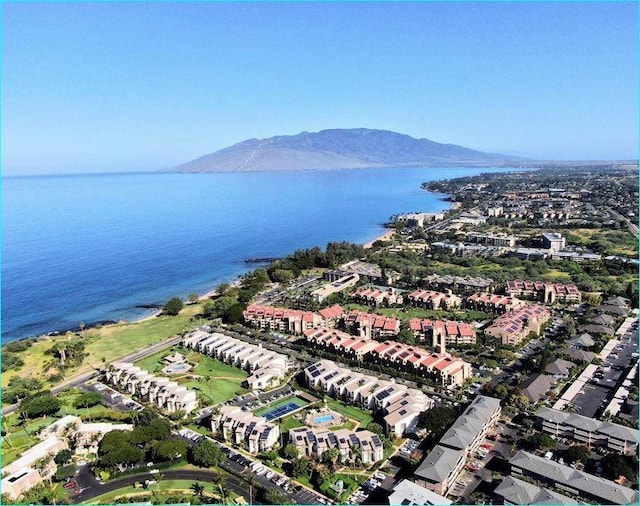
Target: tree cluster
{"points": [[39, 404]]}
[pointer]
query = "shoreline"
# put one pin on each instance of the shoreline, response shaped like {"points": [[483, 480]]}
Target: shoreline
{"points": [[386, 235]]}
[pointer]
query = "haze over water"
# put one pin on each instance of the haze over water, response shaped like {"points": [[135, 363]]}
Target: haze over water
{"points": [[90, 248]]}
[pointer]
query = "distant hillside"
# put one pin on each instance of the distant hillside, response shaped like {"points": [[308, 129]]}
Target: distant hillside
{"points": [[339, 149]]}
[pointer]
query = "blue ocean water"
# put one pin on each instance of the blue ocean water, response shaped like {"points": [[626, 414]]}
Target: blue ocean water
{"points": [[90, 248]]}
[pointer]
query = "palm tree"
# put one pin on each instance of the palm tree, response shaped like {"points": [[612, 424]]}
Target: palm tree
{"points": [[197, 488]]}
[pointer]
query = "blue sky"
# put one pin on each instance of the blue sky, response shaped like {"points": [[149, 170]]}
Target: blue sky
{"points": [[117, 86]]}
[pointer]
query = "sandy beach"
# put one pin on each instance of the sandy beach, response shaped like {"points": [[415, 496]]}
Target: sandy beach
{"points": [[386, 236]]}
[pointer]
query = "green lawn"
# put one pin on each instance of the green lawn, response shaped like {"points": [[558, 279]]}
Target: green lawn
{"points": [[20, 437], [105, 344], [350, 481], [364, 417], [289, 423], [178, 486], [208, 366]]}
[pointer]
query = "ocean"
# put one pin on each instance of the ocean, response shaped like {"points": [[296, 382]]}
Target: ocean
{"points": [[92, 248]]}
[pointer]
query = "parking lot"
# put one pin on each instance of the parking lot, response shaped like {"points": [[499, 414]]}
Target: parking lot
{"points": [[113, 398]]}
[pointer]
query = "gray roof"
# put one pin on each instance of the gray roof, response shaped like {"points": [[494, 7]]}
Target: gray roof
{"points": [[559, 366], [575, 354], [535, 386], [438, 464], [585, 340], [517, 491], [588, 486], [617, 301], [613, 430], [470, 423], [617, 310], [603, 319], [618, 431], [596, 329]]}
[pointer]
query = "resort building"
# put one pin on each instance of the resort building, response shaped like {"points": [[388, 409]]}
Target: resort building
{"points": [[442, 333], [376, 296], [587, 486], [400, 405], [268, 368], [442, 466], [514, 491], [547, 293], [279, 319], [331, 316], [554, 242], [588, 431], [491, 303], [369, 325], [428, 299], [162, 392], [241, 427], [363, 445], [408, 493], [37, 463], [501, 240], [22, 474], [464, 285], [441, 367], [335, 286], [418, 219], [515, 326]]}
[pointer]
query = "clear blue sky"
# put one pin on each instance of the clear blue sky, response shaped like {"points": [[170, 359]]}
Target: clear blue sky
{"points": [[140, 86]]}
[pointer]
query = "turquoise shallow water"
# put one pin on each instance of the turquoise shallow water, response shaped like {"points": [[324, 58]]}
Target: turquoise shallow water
{"points": [[93, 247]]}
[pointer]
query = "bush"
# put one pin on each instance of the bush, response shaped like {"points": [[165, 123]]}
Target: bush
{"points": [[173, 306], [11, 361]]}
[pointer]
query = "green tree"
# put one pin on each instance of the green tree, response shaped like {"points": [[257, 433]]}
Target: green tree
{"points": [[87, 400], [173, 306], [615, 465], [542, 441], [301, 467], [437, 419], [40, 404], [169, 449], [206, 454], [234, 314], [291, 451], [64, 472], [274, 496], [577, 453], [192, 298], [63, 456], [197, 488], [11, 361], [217, 308]]}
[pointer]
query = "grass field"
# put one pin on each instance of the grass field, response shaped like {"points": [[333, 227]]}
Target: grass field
{"points": [[105, 344], [288, 423], [352, 412], [219, 382], [176, 486], [350, 481], [20, 437]]}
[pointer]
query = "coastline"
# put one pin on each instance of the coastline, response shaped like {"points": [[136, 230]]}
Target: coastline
{"points": [[385, 235]]}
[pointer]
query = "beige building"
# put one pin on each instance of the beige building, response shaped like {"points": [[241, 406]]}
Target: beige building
{"points": [[363, 444], [241, 427]]}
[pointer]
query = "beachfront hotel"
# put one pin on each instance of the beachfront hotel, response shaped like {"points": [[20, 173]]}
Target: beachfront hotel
{"points": [[268, 368], [352, 445], [442, 466], [441, 367], [515, 326], [25, 473], [400, 405], [163, 392], [240, 427]]}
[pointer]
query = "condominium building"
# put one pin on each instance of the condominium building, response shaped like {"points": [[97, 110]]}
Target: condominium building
{"points": [[492, 303], [408, 493], [588, 431], [400, 405], [331, 316], [547, 293], [429, 299], [162, 392], [370, 325], [519, 492], [363, 444], [23, 474], [458, 284], [442, 333], [442, 466], [241, 427], [565, 478], [441, 367], [502, 240], [375, 297], [280, 319], [514, 327], [336, 286], [268, 368]]}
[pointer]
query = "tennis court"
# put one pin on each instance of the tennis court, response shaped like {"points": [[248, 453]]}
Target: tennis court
{"points": [[283, 409]]}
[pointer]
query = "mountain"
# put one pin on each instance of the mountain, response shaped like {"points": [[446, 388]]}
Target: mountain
{"points": [[339, 149]]}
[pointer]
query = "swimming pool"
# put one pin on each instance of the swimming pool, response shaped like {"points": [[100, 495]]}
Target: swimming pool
{"points": [[323, 419], [176, 368]]}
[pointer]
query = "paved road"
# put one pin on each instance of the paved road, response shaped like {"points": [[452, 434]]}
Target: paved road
{"points": [[82, 378]]}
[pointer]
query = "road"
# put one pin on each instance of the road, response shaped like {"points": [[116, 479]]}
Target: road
{"points": [[633, 228], [82, 378]]}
